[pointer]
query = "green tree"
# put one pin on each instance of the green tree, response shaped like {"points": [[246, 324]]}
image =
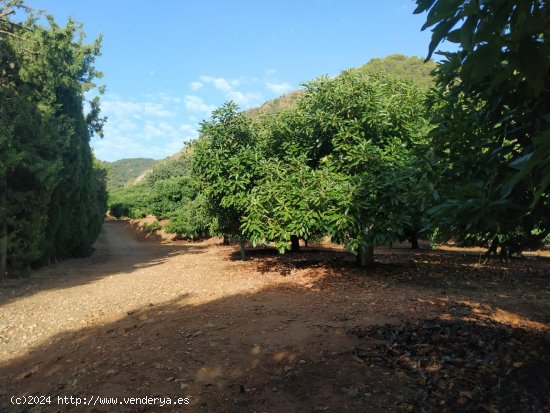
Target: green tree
{"points": [[192, 219], [48, 176], [366, 126], [356, 132], [493, 114], [168, 195], [65, 73], [133, 201], [225, 161], [293, 200]]}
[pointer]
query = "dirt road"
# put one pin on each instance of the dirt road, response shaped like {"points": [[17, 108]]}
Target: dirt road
{"points": [[189, 320]]}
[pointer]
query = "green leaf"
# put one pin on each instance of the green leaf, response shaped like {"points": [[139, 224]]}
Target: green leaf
{"points": [[483, 61], [439, 33], [534, 63], [423, 5]]}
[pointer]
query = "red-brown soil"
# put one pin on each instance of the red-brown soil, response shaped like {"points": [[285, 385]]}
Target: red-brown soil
{"points": [[295, 333]]}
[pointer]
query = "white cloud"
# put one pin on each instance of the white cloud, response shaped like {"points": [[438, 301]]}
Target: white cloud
{"points": [[156, 109], [270, 72], [196, 85], [245, 99], [151, 127], [150, 131], [118, 147], [229, 89], [125, 108], [168, 98], [152, 138], [196, 104], [220, 83], [188, 129], [278, 88], [153, 130], [122, 125]]}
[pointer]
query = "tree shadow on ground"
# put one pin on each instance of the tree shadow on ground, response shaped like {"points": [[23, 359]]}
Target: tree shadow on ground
{"points": [[464, 365], [117, 250], [278, 349], [453, 276]]}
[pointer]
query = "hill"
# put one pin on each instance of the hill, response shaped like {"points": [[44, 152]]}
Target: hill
{"points": [[276, 105], [411, 68], [178, 164], [125, 170]]}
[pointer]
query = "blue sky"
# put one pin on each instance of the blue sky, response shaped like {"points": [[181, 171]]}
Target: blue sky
{"points": [[168, 64]]}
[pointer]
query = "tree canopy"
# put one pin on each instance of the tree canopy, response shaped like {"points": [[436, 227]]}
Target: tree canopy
{"points": [[492, 111], [53, 195]]}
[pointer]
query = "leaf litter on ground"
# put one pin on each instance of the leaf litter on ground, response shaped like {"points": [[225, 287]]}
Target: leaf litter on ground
{"points": [[465, 366]]}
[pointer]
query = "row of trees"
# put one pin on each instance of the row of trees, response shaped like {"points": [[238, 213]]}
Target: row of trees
{"points": [[342, 163], [168, 191], [52, 190], [369, 158], [346, 162], [353, 162]]}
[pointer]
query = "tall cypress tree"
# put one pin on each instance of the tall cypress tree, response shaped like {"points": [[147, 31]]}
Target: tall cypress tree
{"points": [[53, 194]]}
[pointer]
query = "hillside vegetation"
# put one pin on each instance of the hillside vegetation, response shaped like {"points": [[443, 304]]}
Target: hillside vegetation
{"points": [[124, 171], [338, 173], [411, 68], [274, 106]]}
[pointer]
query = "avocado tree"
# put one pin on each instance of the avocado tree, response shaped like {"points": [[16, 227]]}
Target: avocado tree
{"points": [[225, 163], [376, 211], [282, 140], [492, 109], [342, 164], [168, 195], [293, 200], [377, 124], [192, 219]]}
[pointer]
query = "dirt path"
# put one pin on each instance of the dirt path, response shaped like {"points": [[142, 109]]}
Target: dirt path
{"points": [[122, 276], [140, 319]]}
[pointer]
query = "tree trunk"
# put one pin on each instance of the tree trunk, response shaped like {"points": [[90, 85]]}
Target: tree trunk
{"points": [[414, 242], [492, 248], [3, 238], [3, 251], [365, 256], [295, 243], [242, 241]]}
